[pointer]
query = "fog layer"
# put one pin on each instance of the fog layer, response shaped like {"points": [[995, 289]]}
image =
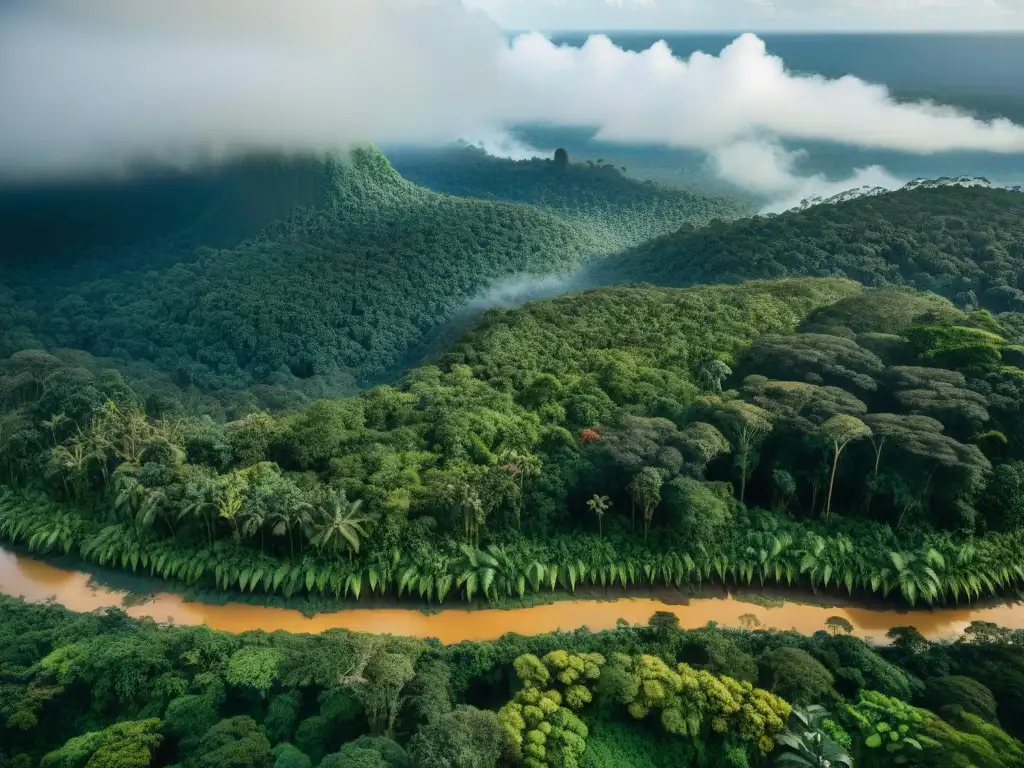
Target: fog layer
{"points": [[93, 85]]}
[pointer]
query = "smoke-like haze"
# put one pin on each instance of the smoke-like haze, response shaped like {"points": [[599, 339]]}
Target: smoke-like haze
{"points": [[91, 85], [768, 169]]}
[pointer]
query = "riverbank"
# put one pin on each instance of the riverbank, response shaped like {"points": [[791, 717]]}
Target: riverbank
{"points": [[35, 580]]}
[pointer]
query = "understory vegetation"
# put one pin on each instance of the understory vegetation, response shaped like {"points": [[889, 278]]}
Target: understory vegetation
{"points": [[103, 690], [804, 432]]}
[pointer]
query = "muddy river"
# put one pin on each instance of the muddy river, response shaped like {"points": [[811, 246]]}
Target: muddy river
{"points": [[35, 580]]}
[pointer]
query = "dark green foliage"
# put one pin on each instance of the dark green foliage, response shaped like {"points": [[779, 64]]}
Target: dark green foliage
{"points": [[815, 358], [237, 742], [949, 240], [283, 716], [188, 717], [288, 756], [1003, 501], [351, 756], [795, 675], [622, 211], [327, 297], [394, 756], [472, 477], [963, 692], [338, 668], [313, 735], [464, 738]]}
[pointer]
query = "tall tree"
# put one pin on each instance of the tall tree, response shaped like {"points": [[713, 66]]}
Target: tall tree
{"points": [[599, 505], [339, 525], [841, 430], [645, 489]]}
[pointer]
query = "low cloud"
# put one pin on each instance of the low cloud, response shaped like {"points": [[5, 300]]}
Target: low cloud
{"points": [[769, 170], [516, 291], [94, 85], [763, 167], [506, 146], [820, 186]]}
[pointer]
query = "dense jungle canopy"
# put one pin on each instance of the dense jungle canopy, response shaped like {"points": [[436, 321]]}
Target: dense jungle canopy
{"points": [[219, 394]]}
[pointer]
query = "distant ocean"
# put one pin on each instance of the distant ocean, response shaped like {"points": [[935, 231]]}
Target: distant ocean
{"points": [[979, 73]]}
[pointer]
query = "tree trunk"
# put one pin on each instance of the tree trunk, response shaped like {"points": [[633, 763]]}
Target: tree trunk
{"points": [[831, 481], [874, 476], [903, 511]]}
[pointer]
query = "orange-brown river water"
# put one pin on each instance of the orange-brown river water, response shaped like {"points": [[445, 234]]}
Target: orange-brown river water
{"points": [[34, 580]]}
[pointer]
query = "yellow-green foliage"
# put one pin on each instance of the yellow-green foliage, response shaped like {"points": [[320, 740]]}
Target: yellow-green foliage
{"points": [[697, 703], [542, 732]]}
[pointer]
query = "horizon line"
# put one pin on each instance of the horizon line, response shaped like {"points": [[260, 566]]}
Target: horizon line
{"points": [[1015, 32]]}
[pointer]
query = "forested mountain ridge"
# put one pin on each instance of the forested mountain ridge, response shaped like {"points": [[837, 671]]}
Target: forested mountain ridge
{"points": [[965, 242], [619, 210], [316, 301], [868, 191]]}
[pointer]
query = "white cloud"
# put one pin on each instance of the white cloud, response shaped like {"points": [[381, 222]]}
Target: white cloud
{"points": [[769, 170], [710, 101], [817, 185], [505, 145], [762, 167], [955, 15], [91, 85]]}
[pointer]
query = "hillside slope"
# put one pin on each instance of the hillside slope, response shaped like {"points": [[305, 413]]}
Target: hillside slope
{"points": [[317, 302], [620, 210], [950, 240]]}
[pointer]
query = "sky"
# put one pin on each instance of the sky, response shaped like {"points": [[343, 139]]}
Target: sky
{"points": [[756, 15], [92, 86]]}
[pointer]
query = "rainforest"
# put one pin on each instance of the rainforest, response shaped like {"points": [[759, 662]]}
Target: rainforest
{"points": [[286, 402]]}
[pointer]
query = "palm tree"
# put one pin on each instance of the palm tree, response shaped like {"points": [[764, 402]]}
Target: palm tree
{"points": [[228, 501], [827, 560], [340, 525], [255, 519], [807, 745], [72, 457], [130, 493], [599, 505], [54, 423], [286, 521]]}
